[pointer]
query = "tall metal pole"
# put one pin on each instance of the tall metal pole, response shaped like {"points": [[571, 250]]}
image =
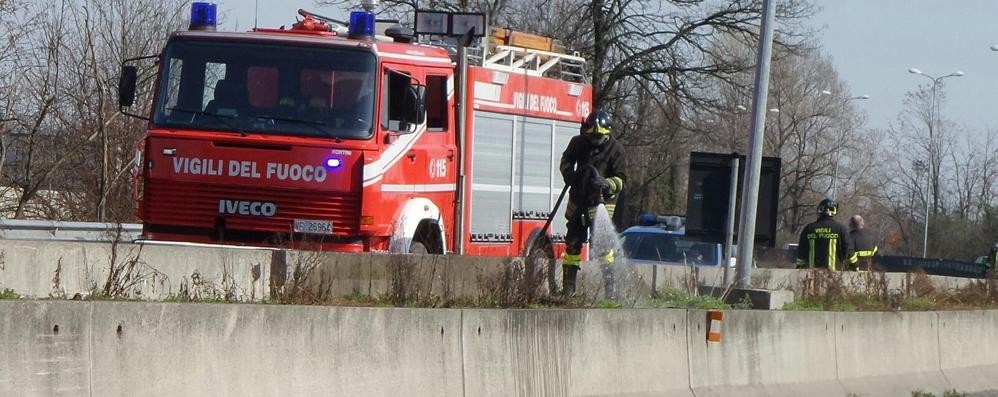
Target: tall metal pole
{"points": [[729, 234], [838, 151], [933, 169], [462, 115], [750, 193], [932, 144], [835, 171], [929, 181], [925, 236]]}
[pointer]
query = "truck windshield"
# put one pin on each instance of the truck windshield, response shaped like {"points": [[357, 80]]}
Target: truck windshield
{"points": [[265, 88]]}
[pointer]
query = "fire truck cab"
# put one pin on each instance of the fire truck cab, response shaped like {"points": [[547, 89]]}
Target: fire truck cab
{"points": [[332, 137]]}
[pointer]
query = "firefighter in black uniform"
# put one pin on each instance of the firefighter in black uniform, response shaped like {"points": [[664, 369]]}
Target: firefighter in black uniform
{"points": [[825, 242], [593, 167], [862, 243]]}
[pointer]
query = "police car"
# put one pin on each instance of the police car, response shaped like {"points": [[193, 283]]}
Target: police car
{"points": [[662, 239]]}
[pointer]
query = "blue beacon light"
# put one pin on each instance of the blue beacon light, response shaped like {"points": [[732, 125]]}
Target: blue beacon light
{"points": [[203, 16], [361, 24], [647, 219], [333, 162]]}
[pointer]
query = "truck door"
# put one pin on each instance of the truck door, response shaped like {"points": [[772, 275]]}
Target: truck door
{"points": [[427, 164], [438, 147], [406, 167]]}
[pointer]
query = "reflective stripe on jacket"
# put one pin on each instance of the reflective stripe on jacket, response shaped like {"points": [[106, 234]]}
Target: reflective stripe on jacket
{"points": [[824, 243]]}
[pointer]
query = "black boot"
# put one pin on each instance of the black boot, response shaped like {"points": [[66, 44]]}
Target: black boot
{"points": [[568, 275]]}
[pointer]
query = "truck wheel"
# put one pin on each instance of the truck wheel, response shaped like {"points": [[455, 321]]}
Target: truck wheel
{"points": [[427, 237], [539, 259], [418, 248]]}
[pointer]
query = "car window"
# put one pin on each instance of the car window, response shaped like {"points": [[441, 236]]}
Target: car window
{"points": [[668, 248], [651, 246]]}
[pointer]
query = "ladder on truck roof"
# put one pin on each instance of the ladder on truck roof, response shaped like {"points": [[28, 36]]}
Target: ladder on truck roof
{"points": [[533, 62], [518, 52]]}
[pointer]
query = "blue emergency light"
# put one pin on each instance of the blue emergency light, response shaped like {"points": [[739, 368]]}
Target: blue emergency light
{"points": [[669, 222], [647, 219], [203, 16], [333, 162], [361, 24]]}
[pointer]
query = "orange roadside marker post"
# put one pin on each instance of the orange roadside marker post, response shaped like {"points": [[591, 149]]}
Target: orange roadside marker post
{"points": [[714, 318]]}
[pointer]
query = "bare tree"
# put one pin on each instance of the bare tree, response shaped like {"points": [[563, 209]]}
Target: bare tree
{"points": [[34, 109], [922, 123], [15, 22], [813, 128], [69, 139], [109, 34], [953, 179]]}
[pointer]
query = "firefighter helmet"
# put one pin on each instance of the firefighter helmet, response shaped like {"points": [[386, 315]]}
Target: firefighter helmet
{"points": [[597, 127], [828, 207]]}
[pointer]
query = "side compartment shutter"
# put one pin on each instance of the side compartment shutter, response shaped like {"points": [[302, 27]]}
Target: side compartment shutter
{"points": [[533, 166], [492, 177], [563, 132]]}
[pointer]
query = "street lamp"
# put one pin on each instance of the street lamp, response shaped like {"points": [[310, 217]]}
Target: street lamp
{"points": [[922, 168], [933, 165], [835, 166]]}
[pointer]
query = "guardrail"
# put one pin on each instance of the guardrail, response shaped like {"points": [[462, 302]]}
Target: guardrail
{"points": [[784, 258], [939, 267], [16, 229]]}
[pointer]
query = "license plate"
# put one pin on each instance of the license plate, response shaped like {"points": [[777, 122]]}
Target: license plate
{"points": [[313, 227]]}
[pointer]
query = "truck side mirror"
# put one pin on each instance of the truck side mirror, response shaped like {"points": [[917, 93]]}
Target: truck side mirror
{"points": [[126, 85], [415, 104], [417, 96]]}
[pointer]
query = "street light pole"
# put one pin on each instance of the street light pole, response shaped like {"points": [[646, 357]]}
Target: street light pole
{"points": [[753, 166], [933, 166], [838, 148], [921, 168], [925, 233]]}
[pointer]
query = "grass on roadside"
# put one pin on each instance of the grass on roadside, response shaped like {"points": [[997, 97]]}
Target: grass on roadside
{"points": [[948, 393], [679, 299], [821, 290], [8, 294]]}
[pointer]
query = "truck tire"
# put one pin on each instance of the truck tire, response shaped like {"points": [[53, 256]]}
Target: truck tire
{"points": [[418, 248], [426, 240], [538, 256]]}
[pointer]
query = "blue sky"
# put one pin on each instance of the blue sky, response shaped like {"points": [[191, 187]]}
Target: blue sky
{"points": [[872, 44], [272, 13]]}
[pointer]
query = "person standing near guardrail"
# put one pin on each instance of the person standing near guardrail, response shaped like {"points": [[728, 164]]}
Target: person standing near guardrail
{"points": [[825, 242], [863, 243]]}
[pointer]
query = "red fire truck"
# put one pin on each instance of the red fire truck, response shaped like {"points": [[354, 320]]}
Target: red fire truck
{"points": [[334, 135]]}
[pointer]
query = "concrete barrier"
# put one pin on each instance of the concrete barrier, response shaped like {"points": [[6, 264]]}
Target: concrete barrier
{"points": [[889, 354], [968, 342], [130, 348], [764, 353], [270, 350], [575, 353], [45, 348], [448, 277], [64, 269]]}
